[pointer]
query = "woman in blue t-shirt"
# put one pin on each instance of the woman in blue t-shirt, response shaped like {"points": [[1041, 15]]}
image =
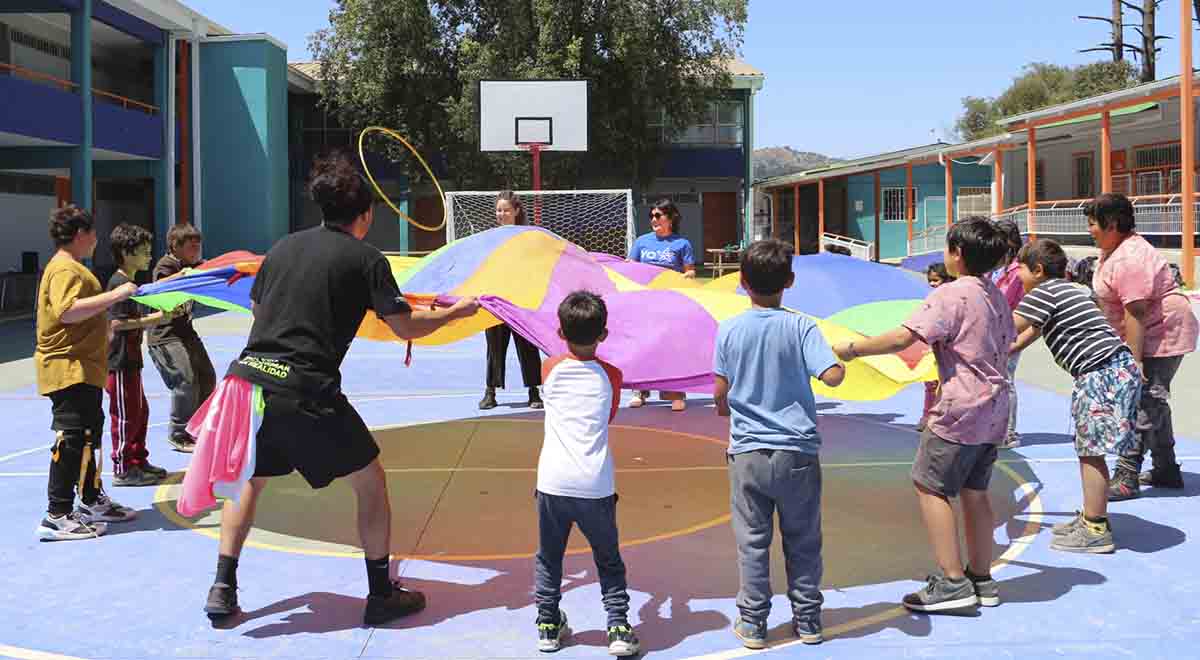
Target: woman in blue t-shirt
{"points": [[664, 247], [510, 212]]}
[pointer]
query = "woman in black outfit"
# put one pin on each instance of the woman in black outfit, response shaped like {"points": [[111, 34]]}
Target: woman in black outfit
{"points": [[510, 212]]}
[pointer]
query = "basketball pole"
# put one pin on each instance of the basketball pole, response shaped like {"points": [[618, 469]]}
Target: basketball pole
{"points": [[535, 150]]}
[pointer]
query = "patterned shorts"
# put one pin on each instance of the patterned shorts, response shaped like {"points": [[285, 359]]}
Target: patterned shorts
{"points": [[1104, 406]]}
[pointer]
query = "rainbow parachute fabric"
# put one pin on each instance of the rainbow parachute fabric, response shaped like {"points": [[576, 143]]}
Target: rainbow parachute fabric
{"points": [[662, 326]]}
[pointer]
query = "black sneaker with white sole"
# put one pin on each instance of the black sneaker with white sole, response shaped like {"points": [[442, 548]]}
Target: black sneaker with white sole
{"points": [[622, 642], [940, 594], [104, 509], [400, 603], [551, 634]]}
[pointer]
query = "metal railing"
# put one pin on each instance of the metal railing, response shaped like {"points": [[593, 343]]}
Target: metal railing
{"points": [[68, 86], [931, 239], [860, 249], [1154, 215]]}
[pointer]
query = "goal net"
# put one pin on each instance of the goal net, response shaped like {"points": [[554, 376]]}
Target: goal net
{"points": [[595, 220]]}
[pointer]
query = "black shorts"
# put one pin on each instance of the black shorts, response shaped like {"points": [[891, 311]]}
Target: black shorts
{"points": [[323, 440], [946, 467], [77, 408]]}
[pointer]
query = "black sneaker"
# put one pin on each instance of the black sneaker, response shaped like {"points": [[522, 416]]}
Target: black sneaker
{"points": [[1170, 477], [222, 601], [941, 593], [622, 642], [136, 476], [551, 635], [489, 400], [535, 399], [1123, 485], [401, 603], [154, 469], [752, 633]]}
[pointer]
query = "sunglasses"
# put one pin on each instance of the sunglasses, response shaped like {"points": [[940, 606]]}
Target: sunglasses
{"points": [[656, 214]]}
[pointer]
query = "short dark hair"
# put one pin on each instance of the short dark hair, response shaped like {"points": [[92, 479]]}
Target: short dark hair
{"points": [[671, 211], [939, 269], [515, 202], [178, 235], [1012, 236], [126, 239], [1111, 209], [583, 317], [1045, 253], [66, 222], [339, 188], [980, 243], [767, 266]]}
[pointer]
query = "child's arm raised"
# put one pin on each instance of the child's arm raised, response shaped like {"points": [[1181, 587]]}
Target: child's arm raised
{"points": [[721, 396], [892, 341]]}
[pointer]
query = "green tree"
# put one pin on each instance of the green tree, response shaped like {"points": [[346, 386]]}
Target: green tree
{"points": [[1040, 85], [414, 65]]}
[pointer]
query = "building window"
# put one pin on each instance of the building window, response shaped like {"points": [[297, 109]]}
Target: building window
{"points": [[1039, 181], [1084, 174], [1123, 184], [893, 204], [1150, 183], [721, 124]]}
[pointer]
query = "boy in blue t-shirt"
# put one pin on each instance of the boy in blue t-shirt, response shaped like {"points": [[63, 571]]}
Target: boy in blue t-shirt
{"points": [[763, 362]]}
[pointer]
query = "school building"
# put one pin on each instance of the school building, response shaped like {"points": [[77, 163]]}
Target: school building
{"points": [[1060, 157]]}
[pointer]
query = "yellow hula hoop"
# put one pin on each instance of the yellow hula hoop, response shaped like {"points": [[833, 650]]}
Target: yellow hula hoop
{"points": [[393, 134]]}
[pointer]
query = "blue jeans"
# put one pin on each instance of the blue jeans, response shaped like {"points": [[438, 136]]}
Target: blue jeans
{"points": [[597, 519], [763, 482]]}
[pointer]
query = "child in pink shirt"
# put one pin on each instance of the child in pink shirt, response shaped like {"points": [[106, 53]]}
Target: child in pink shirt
{"points": [[1009, 283], [969, 326], [936, 275]]}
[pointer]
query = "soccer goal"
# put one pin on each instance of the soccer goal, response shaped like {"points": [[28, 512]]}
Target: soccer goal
{"points": [[595, 220]]}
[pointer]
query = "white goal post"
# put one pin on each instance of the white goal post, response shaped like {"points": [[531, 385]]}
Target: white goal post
{"points": [[595, 220]]}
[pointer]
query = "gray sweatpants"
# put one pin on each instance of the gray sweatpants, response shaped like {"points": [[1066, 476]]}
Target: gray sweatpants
{"points": [[763, 482], [1155, 432], [188, 372]]}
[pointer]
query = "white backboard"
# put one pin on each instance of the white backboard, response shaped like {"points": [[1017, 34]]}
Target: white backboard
{"points": [[548, 112]]}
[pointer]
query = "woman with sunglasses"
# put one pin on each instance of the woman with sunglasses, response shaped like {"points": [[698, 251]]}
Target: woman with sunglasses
{"points": [[664, 247], [509, 211]]}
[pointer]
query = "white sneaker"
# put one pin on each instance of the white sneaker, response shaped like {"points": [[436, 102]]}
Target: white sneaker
{"points": [[68, 528], [104, 509]]}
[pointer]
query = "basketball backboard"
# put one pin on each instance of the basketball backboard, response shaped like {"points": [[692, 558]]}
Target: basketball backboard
{"points": [[514, 114]]}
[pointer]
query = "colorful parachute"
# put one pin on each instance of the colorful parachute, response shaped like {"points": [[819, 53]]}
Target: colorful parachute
{"points": [[662, 326]]}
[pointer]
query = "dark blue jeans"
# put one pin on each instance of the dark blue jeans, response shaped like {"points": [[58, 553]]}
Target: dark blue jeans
{"points": [[762, 483], [597, 519]]}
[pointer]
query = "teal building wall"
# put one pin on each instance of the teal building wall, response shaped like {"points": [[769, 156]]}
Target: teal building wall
{"points": [[244, 149]]}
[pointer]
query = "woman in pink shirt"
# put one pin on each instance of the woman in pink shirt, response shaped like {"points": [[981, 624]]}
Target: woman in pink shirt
{"points": [[1139, 297]]}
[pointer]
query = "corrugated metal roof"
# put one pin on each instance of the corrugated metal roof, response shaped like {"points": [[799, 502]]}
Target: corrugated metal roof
{"points": [[1097, 102]]}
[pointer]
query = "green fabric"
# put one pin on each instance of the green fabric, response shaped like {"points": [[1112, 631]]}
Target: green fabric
{"points": [[168, 301], [875, 318]]}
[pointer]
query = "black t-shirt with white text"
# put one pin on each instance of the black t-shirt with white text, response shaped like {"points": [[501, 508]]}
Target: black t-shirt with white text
{"points": [[310, 296]]}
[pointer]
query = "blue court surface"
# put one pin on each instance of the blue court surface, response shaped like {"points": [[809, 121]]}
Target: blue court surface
{"points": [[461, 489]]}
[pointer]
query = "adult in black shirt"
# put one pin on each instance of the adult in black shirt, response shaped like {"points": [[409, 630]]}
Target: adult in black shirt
{"points": [[309, 298]]}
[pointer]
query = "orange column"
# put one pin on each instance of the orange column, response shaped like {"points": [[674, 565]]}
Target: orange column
{"points": [[910, 204], [774, 214], [1031, 182], [997, 182], [1106, 153], [62, 190], [875, 256], [796, 217], [1187, 139], [949, 191], [820, 214]]}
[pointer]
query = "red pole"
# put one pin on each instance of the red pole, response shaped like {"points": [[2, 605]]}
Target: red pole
{"points": [[536, 151], [1187, 142]]}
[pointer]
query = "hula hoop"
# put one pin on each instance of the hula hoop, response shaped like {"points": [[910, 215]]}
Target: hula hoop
{"points": [[387, 200]]}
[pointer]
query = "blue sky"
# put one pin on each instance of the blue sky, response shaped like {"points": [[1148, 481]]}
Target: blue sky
{"points": [[847, 78]]}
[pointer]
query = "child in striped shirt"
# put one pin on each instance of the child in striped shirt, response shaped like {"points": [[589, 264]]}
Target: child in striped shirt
{"points": [[1107, 382]]}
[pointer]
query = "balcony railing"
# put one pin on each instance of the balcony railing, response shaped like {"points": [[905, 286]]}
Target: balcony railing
{"points": [[1155, 215], [860, 249], [67, 85]]}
